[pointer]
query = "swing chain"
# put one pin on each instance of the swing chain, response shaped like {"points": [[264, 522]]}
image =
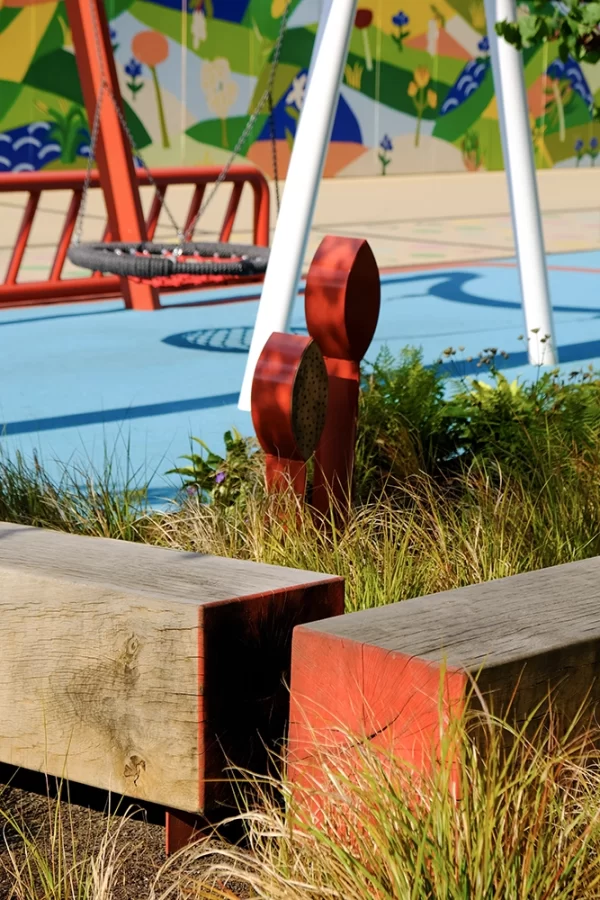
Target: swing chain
{"points": [[104, 88], [89, 166], [267, 97]]}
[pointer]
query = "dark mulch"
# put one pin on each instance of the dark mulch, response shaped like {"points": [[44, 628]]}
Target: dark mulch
{"points": [[85, 817]]}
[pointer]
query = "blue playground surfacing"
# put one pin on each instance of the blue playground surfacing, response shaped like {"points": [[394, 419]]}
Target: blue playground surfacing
{"points": [[80, 381]]}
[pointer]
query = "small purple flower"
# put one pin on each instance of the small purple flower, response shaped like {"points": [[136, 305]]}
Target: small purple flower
{"points": [[594, 143], [386, 144], [484, 44], [133, 68], [400, 19], [578, 146], [191, 490], [220, 477]]}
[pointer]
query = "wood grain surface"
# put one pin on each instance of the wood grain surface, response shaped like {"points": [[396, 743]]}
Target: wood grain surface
{"points": [[142, 670], [389, 674]]}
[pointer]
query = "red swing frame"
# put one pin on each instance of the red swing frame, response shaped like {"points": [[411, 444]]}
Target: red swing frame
{"points": [[119, 181]]}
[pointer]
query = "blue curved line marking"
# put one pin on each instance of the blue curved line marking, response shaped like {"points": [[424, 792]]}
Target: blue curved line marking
{"points": [[451, 287]]}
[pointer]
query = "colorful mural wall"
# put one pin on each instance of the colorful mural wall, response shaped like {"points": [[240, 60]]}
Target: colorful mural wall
{"points": [[417, 93]]}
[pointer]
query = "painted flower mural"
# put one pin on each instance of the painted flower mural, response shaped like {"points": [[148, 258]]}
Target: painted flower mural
{"points": [[422, 96], [469, 80], [400, 21], [417, 95], [133, 70], [220, 91], [362, 21], [199, 29], [386, 146], [152, 48]]}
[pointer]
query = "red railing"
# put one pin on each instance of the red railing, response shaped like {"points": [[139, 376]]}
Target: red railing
{"points": [[55, 288]]}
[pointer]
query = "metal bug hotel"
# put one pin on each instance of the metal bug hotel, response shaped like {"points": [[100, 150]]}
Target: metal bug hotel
{"points": [[305, 389]]}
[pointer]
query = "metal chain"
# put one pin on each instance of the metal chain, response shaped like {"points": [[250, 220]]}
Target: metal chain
{"points": [[160, 194], [267, 96], [104, 88], [273, 131], [90, 163], [270, 87]]}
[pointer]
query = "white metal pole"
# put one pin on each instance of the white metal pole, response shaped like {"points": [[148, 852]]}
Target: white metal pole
{"points": [[301, 184], [323, 16], [519, 163]]}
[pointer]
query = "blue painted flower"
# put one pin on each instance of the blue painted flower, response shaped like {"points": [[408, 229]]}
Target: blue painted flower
{"points": [[220, 477], [400, 19], [386, 144], [133, 68], [484, 44], [113, 34], [578, 146], [594, 143]]}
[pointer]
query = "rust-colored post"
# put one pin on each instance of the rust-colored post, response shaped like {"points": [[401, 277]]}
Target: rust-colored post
{"points": [[22, 238], [342, 302], [96, 65], [289, 402]]}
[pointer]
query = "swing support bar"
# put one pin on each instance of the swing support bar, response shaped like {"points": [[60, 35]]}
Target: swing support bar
{"points": [[96, 66]]}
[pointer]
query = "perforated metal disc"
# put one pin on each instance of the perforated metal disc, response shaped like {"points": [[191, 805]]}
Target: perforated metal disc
{"points": [[309, 400]]}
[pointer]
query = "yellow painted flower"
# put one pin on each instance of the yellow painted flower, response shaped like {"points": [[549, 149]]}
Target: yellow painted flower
{"points": [[354, 75], [432, 99], [412, 89], [422, 76], [278, 8]]}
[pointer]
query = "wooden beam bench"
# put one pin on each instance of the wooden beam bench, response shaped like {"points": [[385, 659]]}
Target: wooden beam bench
{"points": [[380, 674], [142, 670]]}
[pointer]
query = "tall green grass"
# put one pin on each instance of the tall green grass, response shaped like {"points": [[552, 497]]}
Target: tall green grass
{"points": [[457, 482], [519, 819], [106, 502]]}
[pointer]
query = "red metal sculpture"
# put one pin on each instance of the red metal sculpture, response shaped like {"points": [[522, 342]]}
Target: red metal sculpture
{"points": [[342, 301], [289, 404]]}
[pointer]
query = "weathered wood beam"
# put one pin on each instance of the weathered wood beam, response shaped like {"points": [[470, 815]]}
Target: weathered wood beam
{"points": [[386, 674], [142, 670]]}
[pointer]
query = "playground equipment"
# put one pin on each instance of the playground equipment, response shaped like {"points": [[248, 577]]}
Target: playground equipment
{"points": [[289, 407], [306, 168], [517, 148], [305, 390], [56, 288], [142, 265]]}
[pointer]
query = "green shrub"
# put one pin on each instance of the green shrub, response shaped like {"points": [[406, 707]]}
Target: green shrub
{"points": [[401, 425], [223, 480]]}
